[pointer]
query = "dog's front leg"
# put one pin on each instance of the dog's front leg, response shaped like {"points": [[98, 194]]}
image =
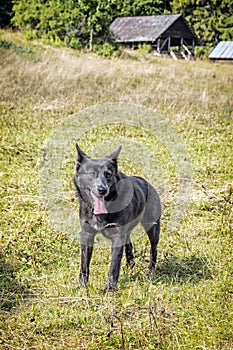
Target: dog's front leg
{"points": [[118, 243], [114, 270], [86, 253], [87, 242]]}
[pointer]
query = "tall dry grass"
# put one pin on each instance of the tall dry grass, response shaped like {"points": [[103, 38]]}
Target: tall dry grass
{"points": [[62, 76]]}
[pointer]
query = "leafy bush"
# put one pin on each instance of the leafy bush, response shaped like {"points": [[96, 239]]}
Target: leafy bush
{"points": [[202, 52], [106, 49], [144, 48], [75, 43]]}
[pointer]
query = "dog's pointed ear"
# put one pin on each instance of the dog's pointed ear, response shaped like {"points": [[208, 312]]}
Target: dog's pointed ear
{"points": [[81, 154], [114, 155]]}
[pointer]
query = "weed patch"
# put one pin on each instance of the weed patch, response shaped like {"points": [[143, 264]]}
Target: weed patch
{"points": [[17, 48]]}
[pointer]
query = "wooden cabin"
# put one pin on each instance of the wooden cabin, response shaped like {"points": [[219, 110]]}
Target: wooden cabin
{"points": [[167, 34]]}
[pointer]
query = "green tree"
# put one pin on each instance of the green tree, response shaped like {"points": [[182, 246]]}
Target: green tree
{"points": [[63, 20], [27, 13], [140, 7], [212, 20], [5, 13], [78, 22]]}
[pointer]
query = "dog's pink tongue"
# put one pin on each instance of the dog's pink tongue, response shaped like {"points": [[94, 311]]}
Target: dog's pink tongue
{"points": [[99, 205]]}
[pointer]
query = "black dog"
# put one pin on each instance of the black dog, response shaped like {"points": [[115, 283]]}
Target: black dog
{"points": [[113, 204]]}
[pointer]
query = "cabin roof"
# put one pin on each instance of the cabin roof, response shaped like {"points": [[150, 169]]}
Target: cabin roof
{"points": [[223, 51], [150, 28]]}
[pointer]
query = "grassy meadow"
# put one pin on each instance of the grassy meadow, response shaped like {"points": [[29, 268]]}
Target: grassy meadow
{"points": [[186, 303]]}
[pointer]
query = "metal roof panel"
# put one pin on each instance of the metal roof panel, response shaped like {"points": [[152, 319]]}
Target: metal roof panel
{"points": [[224, 51]]}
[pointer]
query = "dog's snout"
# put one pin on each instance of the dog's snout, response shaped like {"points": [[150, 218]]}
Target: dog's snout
{"points": [[102, 190]]}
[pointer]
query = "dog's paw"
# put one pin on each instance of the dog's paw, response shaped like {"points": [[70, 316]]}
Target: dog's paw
{"points": [[82, 283], [130, 264], [110, 289], [151, 267]]}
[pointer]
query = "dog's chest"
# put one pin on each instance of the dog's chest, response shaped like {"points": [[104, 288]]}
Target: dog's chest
{"points": [[97, 222]]}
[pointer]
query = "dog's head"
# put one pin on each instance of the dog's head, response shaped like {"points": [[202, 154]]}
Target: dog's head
{"points": [[95, 178]]}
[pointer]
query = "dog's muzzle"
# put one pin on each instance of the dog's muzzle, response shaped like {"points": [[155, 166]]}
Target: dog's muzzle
{"points": [[102, 190]]}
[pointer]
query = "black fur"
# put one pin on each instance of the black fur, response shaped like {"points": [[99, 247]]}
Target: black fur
{"points": [[113, 204]]}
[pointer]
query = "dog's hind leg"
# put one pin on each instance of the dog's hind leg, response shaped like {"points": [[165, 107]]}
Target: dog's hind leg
{"points": [[129, 254], [153, 231]]}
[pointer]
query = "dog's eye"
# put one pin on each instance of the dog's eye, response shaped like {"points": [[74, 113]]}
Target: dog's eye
{"points": [[107, 175], [92, 174]]}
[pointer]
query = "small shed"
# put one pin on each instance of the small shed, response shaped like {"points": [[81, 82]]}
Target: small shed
{"points": [[167, 34], [223, 51]]}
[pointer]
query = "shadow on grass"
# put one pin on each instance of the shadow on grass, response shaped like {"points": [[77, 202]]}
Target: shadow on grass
{"points": [[173, 270], [182, 270], [11, 292]]}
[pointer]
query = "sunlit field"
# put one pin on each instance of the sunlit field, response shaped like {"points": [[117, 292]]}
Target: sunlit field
{"points": [[186, 303]]}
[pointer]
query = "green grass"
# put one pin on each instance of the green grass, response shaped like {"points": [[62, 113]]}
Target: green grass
{"points": [[187, 302]]}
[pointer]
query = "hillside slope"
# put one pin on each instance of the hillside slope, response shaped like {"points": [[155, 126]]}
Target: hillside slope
{"points": [[186, 303]]}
